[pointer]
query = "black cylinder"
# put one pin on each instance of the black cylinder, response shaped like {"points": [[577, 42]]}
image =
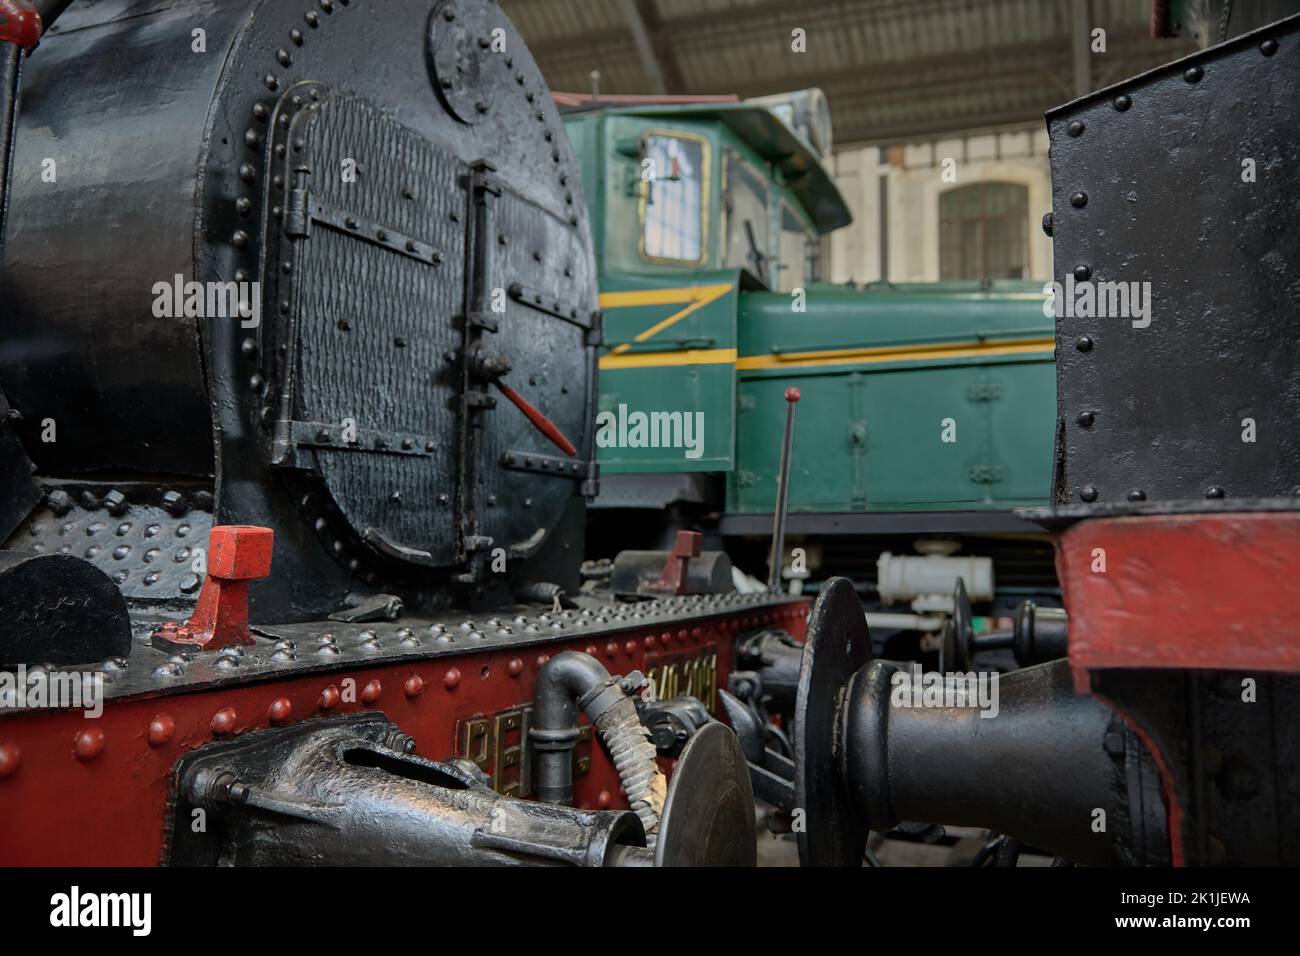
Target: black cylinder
{"points": [[1037, 770]]}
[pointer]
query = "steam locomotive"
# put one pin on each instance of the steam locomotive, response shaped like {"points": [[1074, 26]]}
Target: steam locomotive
{"points": [[1160, 730], [299, 327], [312, 578]]}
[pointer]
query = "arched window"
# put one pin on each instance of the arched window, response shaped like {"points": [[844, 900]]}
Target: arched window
{"points": [[984, 232]]}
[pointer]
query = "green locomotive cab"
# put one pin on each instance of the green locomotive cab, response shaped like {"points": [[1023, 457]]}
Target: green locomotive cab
{"points": [[926, 409]]}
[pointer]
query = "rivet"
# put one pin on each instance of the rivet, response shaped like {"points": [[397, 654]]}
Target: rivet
{"points": [[370, 693], [1082, 273], [1088, 492], [515, 667], [650, 640], [1137, 494], [240, 239], [1079, 200], [1086, 419], [1193, 74], [296, 36], [630, 647], [1075, 128], [1122, 102], [247, 172], [542, 659], [312, 18], [1083, 343], [223, 721], [279, 710], [10, 758], [89, 744], [1215, 492], [283, 56], [1268, 47], [611, 649], [329, 697], [271, 82], [414, 686], [161, 730]]}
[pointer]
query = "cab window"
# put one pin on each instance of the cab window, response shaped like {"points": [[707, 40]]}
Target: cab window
{"points": [[747, 222], [800, 252], [673, 197]]}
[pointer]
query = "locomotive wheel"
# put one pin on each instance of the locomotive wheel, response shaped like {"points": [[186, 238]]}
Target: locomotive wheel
{"points": [[708, 818], [838, 644]]}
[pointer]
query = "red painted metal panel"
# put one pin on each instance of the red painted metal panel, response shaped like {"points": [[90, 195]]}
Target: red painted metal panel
{"points": [[80, 791], [1218, 591]]}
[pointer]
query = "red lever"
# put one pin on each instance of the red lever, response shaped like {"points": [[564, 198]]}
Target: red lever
{"points": [[237, 554], [673, 579], [20, 23], [544, 424]]}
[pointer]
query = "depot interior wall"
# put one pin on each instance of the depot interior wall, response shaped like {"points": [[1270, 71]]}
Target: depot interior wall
{"points": [[913, 179]]}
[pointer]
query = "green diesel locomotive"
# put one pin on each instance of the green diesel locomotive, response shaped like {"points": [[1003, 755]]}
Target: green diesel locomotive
{"points": [[927, 410]]}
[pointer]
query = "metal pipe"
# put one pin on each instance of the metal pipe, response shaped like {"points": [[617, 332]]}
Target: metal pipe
{"points": [[23, 24], [11, 57], [573, 681], [560, 682], [782, 493], [1038, 771]]}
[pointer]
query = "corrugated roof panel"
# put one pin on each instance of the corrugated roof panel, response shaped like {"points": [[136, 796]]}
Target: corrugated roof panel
{"points": [[888, 66]]}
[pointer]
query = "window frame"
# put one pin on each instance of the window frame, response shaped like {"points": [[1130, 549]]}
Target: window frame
{"points": [[811, 238], [1022, 224], [643, 197], [762, 175]]}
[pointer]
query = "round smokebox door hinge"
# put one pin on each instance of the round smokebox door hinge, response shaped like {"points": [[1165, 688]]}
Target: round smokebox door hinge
{"points": [[460, 48]]}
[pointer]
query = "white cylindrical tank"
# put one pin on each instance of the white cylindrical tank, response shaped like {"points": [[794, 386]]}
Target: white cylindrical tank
{"points": [[906, 577]]}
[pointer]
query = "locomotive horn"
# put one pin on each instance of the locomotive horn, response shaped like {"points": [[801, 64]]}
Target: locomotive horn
{"points": [[1041, 764]]}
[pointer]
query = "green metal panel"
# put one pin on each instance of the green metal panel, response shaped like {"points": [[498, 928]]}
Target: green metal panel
{"points": [[886, 377], [688, 367], [669, 327], [881, 369]]}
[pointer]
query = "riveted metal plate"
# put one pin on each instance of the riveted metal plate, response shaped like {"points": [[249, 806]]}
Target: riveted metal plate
{"points": [[459, 46], [1179, 185], [151, 554], [373, 321]]}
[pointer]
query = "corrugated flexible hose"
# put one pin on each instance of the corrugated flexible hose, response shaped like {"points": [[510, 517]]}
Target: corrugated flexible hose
{"points": [[633, 753]]}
